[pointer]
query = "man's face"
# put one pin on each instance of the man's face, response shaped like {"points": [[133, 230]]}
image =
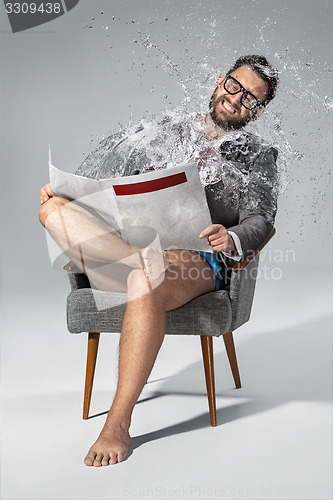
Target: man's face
{"points": [[226, 110]]}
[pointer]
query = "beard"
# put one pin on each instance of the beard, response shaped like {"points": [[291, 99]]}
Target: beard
{"points": [[225, 123]]}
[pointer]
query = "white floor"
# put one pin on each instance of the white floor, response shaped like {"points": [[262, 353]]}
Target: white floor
{"points": [[273, 440]]}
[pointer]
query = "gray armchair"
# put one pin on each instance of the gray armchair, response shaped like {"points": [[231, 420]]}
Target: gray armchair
{"points": [[212, 314]]}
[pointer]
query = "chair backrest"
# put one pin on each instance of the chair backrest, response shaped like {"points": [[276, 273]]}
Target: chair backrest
{"points": [[242, 286], [241, 292]]}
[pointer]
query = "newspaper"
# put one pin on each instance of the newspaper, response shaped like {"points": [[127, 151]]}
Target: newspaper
{"points": [[170, 202]]}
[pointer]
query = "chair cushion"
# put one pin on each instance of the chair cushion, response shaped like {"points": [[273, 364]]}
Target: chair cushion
{"points": [[97, 311]]}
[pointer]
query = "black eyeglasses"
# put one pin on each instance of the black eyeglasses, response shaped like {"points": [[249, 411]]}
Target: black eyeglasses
{"points": [[248, 100]]}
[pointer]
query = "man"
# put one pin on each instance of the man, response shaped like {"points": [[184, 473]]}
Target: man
{"points": [[242, 202]]}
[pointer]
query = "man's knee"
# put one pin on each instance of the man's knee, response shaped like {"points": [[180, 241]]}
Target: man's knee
{"points": [[50, 206], [139, 286]]}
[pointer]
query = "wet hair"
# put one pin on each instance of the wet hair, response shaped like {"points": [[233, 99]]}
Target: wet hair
{"points": [[263, 69]]}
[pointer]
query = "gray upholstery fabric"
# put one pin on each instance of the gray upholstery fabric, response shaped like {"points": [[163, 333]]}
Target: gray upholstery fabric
{"points": [[209, 314], [213, 313]]}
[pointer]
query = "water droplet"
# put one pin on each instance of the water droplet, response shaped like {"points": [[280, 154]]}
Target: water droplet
{"points": [[328, 103]]}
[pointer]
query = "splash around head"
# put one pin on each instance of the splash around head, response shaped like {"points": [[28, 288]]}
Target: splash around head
{"points": [[241, 95]]}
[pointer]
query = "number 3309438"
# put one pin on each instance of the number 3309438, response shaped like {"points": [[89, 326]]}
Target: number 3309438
{"points": [[32, 8]]}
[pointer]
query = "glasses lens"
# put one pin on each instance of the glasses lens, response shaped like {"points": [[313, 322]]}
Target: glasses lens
{"points": [[249, 101], [231, 86]]}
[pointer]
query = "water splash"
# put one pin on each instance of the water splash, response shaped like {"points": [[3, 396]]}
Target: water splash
{"points": [[169, 66], [194, 68]]}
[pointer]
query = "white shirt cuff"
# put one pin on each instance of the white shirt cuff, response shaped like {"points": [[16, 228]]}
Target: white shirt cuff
{"points": [[238, 246]]}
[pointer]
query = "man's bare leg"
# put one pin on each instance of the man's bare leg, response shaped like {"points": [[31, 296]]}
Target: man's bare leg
{"points": [[91, 243], [187, 277], [143, 328]]}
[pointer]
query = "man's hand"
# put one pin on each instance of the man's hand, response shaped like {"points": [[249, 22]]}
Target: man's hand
{"points": [[46, 193], [219, 238]]}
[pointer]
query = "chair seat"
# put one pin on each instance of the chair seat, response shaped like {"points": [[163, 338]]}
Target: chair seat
{"points": [[97, 311]]}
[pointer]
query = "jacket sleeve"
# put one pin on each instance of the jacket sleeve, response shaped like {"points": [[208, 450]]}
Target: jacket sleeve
{"points": [[258, 202]]}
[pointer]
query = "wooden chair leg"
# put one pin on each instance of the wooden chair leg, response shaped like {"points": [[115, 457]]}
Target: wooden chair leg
{"points": [[93, 340], [208, 360], [231, 352]]}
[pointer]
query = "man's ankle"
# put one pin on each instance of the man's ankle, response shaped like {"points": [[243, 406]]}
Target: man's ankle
{"points": [[119, 417]]}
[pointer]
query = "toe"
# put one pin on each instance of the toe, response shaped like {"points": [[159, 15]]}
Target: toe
{"points": [[98, 460], [105, 460], [121, 456], [89, 460], [113, 459]]}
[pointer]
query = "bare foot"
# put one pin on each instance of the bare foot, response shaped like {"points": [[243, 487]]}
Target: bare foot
{"points": [[111, 446], [155, 261]]}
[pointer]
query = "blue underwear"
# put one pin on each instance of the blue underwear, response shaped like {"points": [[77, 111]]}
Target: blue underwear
{"points": [[217, 266]]}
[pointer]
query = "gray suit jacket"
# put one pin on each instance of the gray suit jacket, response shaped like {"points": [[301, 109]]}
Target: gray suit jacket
{"points": [[245, 199]]}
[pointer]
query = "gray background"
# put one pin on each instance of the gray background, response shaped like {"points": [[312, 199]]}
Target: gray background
{"points": [[68, 83]]}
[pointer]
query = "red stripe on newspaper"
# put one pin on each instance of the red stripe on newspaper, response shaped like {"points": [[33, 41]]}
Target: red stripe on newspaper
{"points": [[150, 186]]}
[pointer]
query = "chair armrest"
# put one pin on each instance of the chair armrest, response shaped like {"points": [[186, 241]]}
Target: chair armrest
{"points": [[77, 279], [245, 262]]}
